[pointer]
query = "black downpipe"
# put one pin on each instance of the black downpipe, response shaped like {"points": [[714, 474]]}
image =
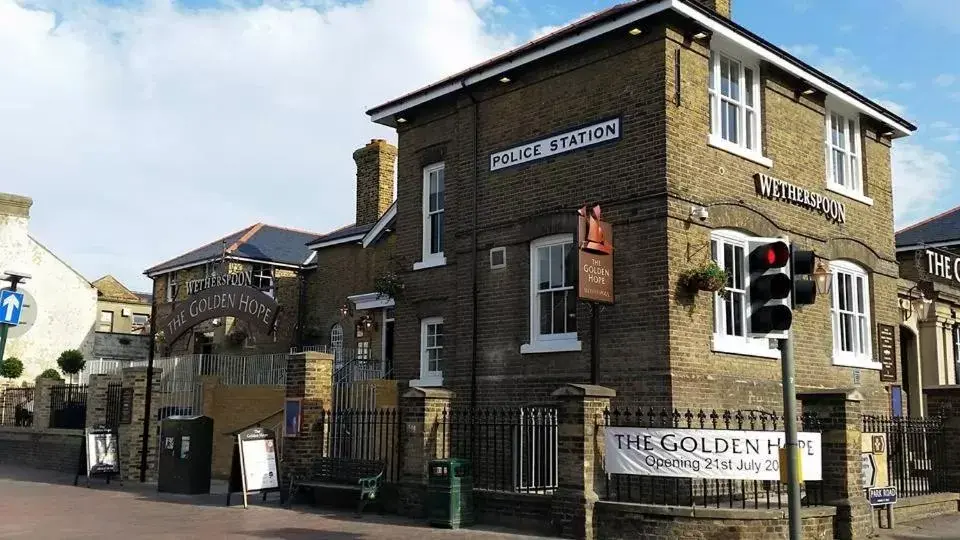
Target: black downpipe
{"points": [[473, 266]]}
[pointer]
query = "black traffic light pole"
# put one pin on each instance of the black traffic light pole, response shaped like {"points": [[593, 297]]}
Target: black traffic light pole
{"points": [[790, 431]]}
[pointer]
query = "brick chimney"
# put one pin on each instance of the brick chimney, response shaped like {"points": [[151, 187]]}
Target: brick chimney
{"points": [[723, 7], [376, 163], [16, 206]]}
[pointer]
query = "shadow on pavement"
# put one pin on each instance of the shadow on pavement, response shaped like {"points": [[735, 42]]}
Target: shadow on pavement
{"points": [[303, 534]]}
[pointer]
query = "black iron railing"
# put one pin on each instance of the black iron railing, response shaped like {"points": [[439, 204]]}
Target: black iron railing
{"points": [[513, 450], [17, 406], [368, 434], [114, 400], [915, 453], [706, 492], [68, 406]]}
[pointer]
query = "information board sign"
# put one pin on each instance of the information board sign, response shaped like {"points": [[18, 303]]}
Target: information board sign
{"points": [[99, 454], [256, 466]]}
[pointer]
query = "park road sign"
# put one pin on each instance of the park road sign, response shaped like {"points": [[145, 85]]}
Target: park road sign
{"points": [[11, 304]]}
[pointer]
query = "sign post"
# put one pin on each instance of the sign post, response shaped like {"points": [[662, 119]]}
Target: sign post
{"points": [[875, 473], [11, 306], [594, 273]]}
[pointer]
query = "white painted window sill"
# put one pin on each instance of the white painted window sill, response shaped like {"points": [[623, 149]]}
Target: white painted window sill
{"points": [[850, 194], [427, 382], [742, 348], [432, 262], [560, 345], [841, 361], [731, 148]]}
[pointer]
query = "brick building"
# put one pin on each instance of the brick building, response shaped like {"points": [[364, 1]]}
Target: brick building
{"points": [[692, 134], [929, 305], [269, 258]]}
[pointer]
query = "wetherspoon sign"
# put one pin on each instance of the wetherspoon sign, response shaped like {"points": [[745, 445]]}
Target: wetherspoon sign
{"points": [[606, 130], [943, 265], [706, 453]]}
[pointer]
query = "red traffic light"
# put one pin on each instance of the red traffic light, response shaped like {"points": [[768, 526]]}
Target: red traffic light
{"points": [[772, 255]]}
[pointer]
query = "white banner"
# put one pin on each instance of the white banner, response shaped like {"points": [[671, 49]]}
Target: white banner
{"points": [[706, 453], [576, 139]]}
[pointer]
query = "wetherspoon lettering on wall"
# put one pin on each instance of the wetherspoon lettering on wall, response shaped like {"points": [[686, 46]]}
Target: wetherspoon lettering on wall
{"points": [[240, 279], [775, 189], [607, 130]]}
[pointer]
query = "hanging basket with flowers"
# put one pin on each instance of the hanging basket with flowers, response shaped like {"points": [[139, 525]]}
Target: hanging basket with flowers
{"points": [[705, 277]]}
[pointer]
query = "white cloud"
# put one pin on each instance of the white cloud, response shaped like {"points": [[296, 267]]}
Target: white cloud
{"points": [[893, 106], [921, 178], [803, 51], [944, 79], [545, 30], [940, 124], [952, 135], [843, 65], [907, 85], [144, 132]]}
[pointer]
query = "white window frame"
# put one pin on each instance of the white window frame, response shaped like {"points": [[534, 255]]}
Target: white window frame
{"points": [[721, 341], [146, 319], [716, 139], [546, 343], [336, 336], [854, 188], [102, 322], [428, 377], [173, 286], [851, 358], [428, 259], [260, 272]]}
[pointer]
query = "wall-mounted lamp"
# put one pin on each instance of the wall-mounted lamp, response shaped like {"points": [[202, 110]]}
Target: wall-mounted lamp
{"points": [[635, 31], [700, 35], [401, 120], [346, 310], [505, 79], [911, 304], [821, 274], [700, 213], [808, 91]]}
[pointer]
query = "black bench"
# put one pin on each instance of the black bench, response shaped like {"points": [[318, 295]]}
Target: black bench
{"points": [[361, 475]]}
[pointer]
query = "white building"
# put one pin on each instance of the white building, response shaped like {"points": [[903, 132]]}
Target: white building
{"points": [[61, 303]]}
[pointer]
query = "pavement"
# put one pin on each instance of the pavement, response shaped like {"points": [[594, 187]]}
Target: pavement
{"points": [[42, 505], [943, 527]]}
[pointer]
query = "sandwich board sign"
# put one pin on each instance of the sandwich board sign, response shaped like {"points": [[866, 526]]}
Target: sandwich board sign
{"points": [[255, 467], [99, 455]]}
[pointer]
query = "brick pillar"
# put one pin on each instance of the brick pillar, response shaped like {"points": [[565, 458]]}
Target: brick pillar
{"points": [[131, 435], [97, 390], [41, 402], [424, 438], [944, 401], [209, 383], [579, 458], [309, 377], [841, 413]]}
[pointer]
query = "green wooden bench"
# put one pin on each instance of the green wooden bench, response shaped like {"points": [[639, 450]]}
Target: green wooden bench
{"points": [[360, 475]]}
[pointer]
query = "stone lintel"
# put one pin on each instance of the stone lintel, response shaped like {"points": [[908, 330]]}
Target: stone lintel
{"points": [[584, 390]]}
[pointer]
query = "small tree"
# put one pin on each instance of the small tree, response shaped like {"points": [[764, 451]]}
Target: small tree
{"points": [[51, 373], [11, 368], [71, 362]]}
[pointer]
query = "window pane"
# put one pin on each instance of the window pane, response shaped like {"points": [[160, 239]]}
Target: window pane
{"points": [[546, 316], [569, 268], [730, 112], [436, 233], [749, 128], [571, 310], [440, 189], [848, 290], [860, 293], [854, 173], [846, 329], [734, 80], [738, 313], [748, 84], [556, 266], [543, 268], [728, 259], [838, 173], [713, 82], [852, 131], [738, 277], [834, 135], [559, 311], [724, 76], [729, 316], [862, 335]]}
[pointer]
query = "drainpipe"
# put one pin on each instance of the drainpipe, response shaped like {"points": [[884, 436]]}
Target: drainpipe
{"points": [[473, 233]]}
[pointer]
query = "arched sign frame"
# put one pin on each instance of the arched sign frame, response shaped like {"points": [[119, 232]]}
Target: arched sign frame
{"points": [[245, 303]]}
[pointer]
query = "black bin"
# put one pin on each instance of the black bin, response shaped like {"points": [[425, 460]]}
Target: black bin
{"points": [[186, 455]]}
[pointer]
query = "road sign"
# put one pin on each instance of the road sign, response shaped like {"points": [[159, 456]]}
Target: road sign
{"points": [[28, 315], [882, 495], [11, 303], [868, 470]]}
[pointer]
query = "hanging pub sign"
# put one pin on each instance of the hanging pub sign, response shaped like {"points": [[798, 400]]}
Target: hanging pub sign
{"points": [[595, 257], [575, 139], [706, 453], [99, 455], [256, 466], [888, 352], [778, 190]]}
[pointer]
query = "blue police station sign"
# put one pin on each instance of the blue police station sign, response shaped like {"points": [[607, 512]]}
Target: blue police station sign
{"points": [[11, 304]]}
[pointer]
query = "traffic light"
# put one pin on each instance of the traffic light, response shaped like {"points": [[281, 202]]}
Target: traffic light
{"points": [[769, 309], [776, 286]]}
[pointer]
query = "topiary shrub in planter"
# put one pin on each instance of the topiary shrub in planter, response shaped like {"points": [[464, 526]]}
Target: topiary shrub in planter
{"points": [[71, 362], [11, 368], [705, 277], [51, 373]]}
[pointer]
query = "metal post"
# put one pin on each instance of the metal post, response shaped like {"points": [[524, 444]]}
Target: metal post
{"points": [[594, 341], [4, 328], [145, 444], [790, 429]]}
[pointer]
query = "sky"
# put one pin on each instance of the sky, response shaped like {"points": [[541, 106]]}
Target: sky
{"points": [[143, 129]]}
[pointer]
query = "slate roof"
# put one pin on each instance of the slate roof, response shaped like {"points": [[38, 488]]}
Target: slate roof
{"points": [[261, 242], [941, 228], [343, 232]]}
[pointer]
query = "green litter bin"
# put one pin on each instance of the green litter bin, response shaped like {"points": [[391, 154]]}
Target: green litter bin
{"points": [[450, 493]]}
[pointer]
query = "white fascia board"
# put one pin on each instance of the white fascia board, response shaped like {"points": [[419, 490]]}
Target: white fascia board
{"points": [[382, 223], [767, 55], [525, 58], [337, 242], [180, 267], [371, 301], [310, 259]]}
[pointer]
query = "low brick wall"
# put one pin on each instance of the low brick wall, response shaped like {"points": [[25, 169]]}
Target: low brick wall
{"points": [[53, 449], [615, 520], [519, 511], [925, 506]]}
